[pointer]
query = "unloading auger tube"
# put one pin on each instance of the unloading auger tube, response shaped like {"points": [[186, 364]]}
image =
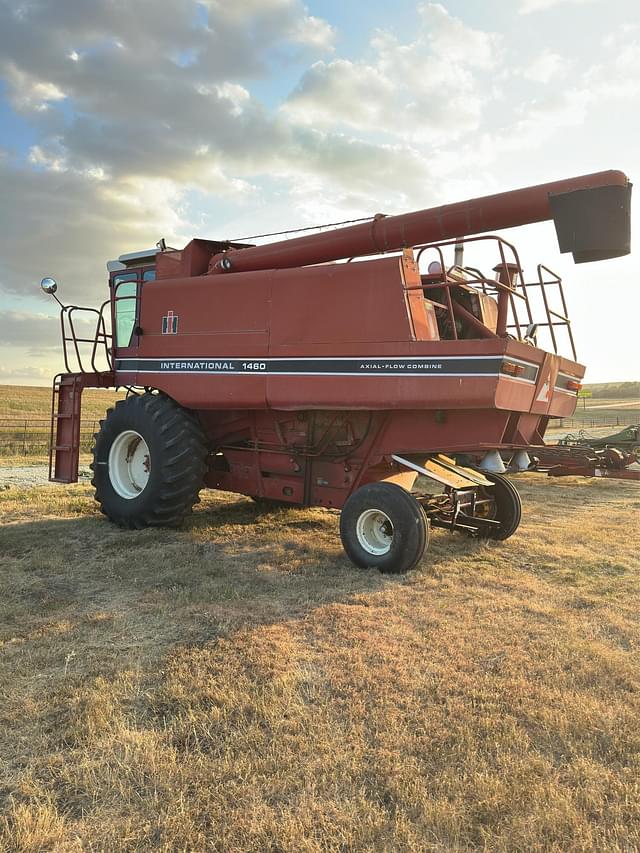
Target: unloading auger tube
{"points": [[394, 393], [590, 213]]}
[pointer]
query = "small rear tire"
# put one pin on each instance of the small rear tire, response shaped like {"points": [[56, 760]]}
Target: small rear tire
{"points": [[383, 526], [148, 462], [507, 507]]}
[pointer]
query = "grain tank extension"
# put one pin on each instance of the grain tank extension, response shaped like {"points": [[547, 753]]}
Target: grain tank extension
{"points": [[368, 368]]}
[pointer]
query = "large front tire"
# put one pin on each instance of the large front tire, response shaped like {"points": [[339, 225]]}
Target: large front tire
{"points": [[148, 462], [383, 526]]}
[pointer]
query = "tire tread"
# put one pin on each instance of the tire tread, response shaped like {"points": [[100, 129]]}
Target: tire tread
{"points": [[181, 473]]}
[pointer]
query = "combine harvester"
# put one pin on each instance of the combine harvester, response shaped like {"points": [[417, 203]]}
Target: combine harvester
{"points": [[388, 387]]}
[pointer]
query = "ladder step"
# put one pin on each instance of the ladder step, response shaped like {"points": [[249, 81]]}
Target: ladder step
{"points": [[65, 424]]}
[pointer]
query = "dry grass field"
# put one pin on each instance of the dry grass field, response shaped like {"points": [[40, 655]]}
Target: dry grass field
{"points": [[25, 413], [236, 685], [24, 401]]}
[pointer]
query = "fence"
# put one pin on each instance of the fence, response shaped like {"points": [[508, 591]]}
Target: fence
{"points": [[30, 436], [578, 421]]}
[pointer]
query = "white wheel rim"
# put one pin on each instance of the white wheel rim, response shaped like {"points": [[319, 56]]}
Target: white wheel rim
{"points": [[375, 532], [129, 464]]}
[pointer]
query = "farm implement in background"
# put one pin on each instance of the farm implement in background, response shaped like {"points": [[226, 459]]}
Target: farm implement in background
{"points": [[627, 440], [339, 369], [590, 456]]}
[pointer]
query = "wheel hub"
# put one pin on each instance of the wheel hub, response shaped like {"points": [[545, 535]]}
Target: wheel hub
{"points": [[375, 532], [129, 464]]}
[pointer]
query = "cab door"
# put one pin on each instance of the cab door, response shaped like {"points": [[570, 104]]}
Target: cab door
{"points": [[126, 290]]}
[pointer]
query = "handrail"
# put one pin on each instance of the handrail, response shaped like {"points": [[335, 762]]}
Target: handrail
{"points": [[69, 335], [509, 297], [101, 337], [565, 316]]}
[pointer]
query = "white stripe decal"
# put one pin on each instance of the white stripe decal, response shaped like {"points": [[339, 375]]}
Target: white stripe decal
{"points": [[474, 366]]}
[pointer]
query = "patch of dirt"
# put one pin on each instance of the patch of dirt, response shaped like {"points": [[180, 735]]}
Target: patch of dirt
{"points": [[33, 475]]}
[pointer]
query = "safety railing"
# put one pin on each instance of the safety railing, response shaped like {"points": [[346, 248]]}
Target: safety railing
{"points": [[76, 353], [554, 318], [515, 316], [100, 341]]}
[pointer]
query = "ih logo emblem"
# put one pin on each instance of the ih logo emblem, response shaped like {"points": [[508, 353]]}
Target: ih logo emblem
{"points": [[170, 324]]}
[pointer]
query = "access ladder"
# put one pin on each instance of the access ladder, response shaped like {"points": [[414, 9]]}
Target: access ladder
{"points": [[64, 444]]}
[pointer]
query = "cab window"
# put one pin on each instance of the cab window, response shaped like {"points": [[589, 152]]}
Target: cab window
{"points": [[125, 289]]}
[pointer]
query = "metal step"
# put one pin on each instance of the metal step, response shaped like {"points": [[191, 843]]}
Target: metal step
{"points": [[65, 430]]}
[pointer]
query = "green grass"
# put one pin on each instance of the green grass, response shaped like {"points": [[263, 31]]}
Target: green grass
{"points": [[236, 685]]}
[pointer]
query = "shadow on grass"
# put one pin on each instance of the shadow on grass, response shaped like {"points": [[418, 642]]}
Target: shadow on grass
{"points": [[233, 565]]}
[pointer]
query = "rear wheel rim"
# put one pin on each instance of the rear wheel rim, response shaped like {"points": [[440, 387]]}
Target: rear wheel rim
{"points": [[129, 464], [374, 531]]}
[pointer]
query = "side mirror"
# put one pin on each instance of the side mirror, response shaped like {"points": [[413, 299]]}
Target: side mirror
{"points": [[49, 285]]}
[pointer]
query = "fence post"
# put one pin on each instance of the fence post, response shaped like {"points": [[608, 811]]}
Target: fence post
{"points": [[24, 439]]}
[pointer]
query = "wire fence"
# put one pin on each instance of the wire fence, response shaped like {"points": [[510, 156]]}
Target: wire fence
{"points": [[31, 436], [590, 422]]}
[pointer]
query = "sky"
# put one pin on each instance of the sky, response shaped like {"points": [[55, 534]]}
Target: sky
{"points": [[124, 121]]}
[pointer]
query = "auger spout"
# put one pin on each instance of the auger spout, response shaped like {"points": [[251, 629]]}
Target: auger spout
{"points": [[591, 214]]}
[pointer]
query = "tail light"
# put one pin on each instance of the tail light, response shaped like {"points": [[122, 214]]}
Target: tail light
{"points": [[512, 368]]}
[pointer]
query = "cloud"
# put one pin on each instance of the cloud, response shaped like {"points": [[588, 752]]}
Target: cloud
{"points": [[134, 115], [408, 90], [617, 75], [32, 375], [60, 222], [40, 333], [614, 77], [557, 113], [20, 328], [140, 132], [130, 105], [65, 47], [545, 67], [278, 19], [314, 32], [28, 92], [111, 171], [528, 6]]}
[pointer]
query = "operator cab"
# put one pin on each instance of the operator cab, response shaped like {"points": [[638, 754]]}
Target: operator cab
{"points": [[127, 276]]}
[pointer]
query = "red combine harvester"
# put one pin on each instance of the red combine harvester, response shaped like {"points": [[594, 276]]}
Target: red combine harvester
{"points": [[390, 387]]}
